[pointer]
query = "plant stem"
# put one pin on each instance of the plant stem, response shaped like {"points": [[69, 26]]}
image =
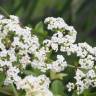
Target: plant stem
{"points": [[14, 90], [3, 12], [2, 90], [71, 66]]}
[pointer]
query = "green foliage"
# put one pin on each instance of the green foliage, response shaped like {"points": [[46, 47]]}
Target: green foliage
{"points": [[2, 79], [40, 32], [54, 75], [57, 88]]}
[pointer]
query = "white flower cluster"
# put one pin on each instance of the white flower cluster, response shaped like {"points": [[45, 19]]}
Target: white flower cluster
{"points": [[55, 23], [35, 86], [16, 45], [19, 47], [64, 40], [12, 76], [40, 62], [16, 41], [83, 81], [85, 75], [65, 35]]}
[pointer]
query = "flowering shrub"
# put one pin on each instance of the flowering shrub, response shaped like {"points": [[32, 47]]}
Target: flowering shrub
{"points": [[40, 61]]}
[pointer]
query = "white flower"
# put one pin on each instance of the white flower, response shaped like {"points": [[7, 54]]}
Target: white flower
{"points": [[80, 87], [25, 60], [5, 64], [79, 75], [47, 42], [91, 74], [59, 65], [14, 18], [86, 63], [54, 46], [1, 16], [3, 53], [55, 23], [44, 92], [39, 65], [36, 86], [41, 53], [12, 71], [70, 86], [12, 76]]}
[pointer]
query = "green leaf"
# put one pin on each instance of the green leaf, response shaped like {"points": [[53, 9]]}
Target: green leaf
{"points": [[54, 75], [74, 93], [88, 93], [57, 88], [6, 90], [40, 32], [14, 90], [92, 94], [39, 27], [3, 12], [34, 72], [2, 78], [21, 93]]}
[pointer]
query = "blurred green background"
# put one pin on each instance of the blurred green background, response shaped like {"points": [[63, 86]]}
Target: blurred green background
{"points": [[79, 13]]}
